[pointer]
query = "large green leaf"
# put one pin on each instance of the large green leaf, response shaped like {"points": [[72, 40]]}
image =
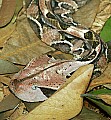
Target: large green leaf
{"points": [[105, 33], [93, 96]]}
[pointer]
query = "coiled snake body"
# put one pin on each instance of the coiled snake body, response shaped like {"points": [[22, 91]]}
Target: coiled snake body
{"points": [[58, 29]]}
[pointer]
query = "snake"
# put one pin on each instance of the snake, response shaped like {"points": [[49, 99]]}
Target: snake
{"points": [[57, 28]]}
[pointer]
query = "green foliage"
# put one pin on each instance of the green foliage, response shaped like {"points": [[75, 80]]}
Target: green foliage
{"points": [[105, 33], [94, 97]]}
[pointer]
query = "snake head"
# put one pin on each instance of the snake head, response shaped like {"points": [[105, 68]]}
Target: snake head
{"points": [[27, 92]]}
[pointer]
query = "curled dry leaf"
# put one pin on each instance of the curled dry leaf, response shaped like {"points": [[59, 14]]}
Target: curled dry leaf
{"points": [[18, 111], [5, 115], [60, 55], [104, 12], [7, 11], [106, 98], [23, 45], [66, 102], [5, 103], [89, 10], [107, 86], [105, 78], [1, 94], [7, 67], [44, 72], [9, 29], [4, 80], [19, 5]]}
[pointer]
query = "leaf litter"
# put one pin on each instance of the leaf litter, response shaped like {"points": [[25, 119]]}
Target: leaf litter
{"points": [[20, 45]]}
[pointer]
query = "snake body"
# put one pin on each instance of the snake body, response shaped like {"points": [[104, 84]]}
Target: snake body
{"points": [[59, 30]]}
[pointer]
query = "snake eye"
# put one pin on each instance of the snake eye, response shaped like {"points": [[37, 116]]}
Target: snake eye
{"points": [[88, 35], [34, 87]]}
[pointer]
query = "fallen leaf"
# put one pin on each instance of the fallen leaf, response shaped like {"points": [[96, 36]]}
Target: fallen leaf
{"points": [[4, 79], [19, 5], [107, 86], [31, 105], [27, 2], [12, 114], [0, 3], [8, 103], [89, 10], [5, 115], [1, 85], [104, 78], [9, 29], [109, 50], [104, 12], [18, 112], [94, 96], [7, 67], [23, 45], [66, 102], [106, 98], [1, 94], [6, 91], [87, 114], [7, 11], [60, 55]]}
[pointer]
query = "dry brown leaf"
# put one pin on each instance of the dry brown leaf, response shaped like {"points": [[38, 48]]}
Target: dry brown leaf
{"points": [[8, 103], [7, 11], [23, 45], [5, 80], [12, 114], [87, 114], [60, 55], [18, 112], [0, 3], [105, 78], [103, 14], [19, 5], [1, 94], [5, 115], [9, 30], [106, 98], [107, 86], [87, 13], [1, 85], [6, 91], [66, 102]]}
